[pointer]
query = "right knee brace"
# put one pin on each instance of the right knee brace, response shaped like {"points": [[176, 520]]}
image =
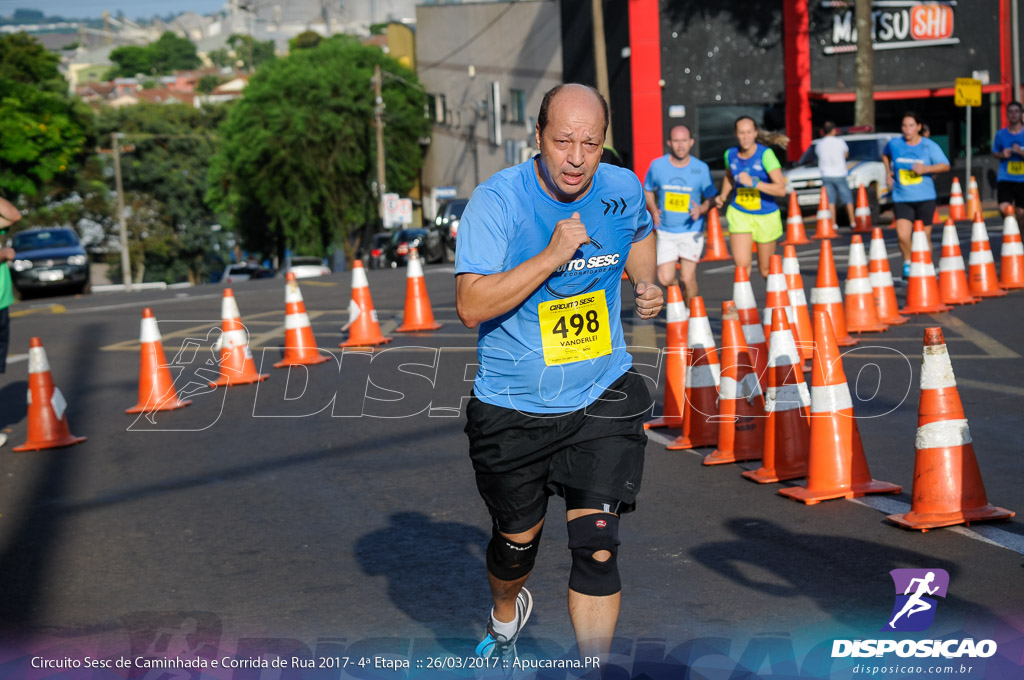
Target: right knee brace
{"points": [[508, 560]]}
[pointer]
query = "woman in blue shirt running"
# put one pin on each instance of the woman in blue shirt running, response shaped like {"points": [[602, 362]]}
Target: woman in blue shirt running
{"points": [[753, 180], [909, 164]]}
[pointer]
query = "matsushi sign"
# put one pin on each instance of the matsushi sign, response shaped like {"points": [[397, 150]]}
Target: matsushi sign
{"points": [[896, 24]]}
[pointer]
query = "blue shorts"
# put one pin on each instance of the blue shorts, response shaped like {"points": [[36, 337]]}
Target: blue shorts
{"points": [[838, 185]]}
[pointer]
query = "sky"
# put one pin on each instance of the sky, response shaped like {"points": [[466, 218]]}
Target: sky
{"points": [[84, 9]]}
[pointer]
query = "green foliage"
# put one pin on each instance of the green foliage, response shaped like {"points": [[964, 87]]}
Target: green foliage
{"points": [[164, 178], [23, 59], [297, 155], [251, 52], [304, 41], [221, 57], [44, 134], [208, 83], [168, 54]]}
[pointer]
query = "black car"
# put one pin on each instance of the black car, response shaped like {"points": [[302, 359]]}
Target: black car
{"points": [[447, 221], [49, 258], [427, 241], [374, 256]]}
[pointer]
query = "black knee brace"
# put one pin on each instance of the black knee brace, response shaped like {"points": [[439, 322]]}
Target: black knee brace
{"points": [[588, 535], [508, 560]]}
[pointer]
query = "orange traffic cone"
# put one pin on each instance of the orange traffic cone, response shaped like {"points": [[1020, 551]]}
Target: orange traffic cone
{"points": [[859, 298], [787, 433], [982, 266], [753, 331], [837, 467], [796, 235], [740, 402], [47, 421], [1011, 267], [717, 250], [676, 326], [703, 373], [973, 197], [953, 286], [798, 299], [957, 213], [881, 281], [777, 295], [826, 296], [299, 344], [936, 218], [862, 212], [826, 227], [948, 488], [363, 327], [236, 363], [419, 316], [922, 288], [156, 386]]}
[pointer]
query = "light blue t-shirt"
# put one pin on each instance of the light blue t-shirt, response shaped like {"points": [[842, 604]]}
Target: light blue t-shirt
{"points": [[529, 357], [678, 190], [1010, 169], [908, 186]]}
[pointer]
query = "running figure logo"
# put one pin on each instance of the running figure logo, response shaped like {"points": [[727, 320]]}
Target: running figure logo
{"points": [[913, 609]]}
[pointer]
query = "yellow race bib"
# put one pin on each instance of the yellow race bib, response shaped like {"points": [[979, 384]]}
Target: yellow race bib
{"points": [[677, 203], [908, 177], [576, 328], [748, 198], [1015, 167]]}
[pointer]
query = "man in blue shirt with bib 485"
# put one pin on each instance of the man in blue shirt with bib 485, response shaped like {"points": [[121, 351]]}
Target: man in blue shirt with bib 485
{"points": [[556, 408], [679, 190]]}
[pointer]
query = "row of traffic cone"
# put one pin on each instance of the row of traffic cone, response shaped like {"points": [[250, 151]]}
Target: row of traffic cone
{"points": [[47, 426], [799, 433]]}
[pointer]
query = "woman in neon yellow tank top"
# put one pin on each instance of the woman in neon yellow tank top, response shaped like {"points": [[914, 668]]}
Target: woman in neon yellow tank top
{"points": [[753, 180]]}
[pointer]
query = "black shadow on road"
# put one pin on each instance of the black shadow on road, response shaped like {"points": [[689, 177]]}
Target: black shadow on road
{"points": [[434, 570], [25, 560], [12, 403], [834, 570]]}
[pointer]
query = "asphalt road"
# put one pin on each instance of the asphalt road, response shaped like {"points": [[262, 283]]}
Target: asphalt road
{"points": [[320, 513]]}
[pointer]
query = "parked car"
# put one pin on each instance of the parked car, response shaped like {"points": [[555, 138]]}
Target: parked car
{"points": [[449, 214], [235, 273], [864, 165], [308, 267], [374, 258], [49, 258], [427, 241]]}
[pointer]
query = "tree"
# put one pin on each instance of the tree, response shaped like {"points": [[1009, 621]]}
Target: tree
{"points": [[221, 57], [297, 159], [168, 54], [304, 41], [864, 106], [251, 52], [208, 83], [44, 134], [164, 178]]}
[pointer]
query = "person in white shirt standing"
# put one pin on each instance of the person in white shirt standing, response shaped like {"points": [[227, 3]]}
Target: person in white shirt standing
{"points": [[832, 153]]}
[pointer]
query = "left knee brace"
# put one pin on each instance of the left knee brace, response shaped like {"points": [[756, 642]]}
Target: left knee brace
{"points": [[589, 535]]}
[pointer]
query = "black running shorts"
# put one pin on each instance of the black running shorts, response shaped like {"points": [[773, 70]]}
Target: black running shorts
{"points": [[915, 210], [521, 459], [1011, 192]]}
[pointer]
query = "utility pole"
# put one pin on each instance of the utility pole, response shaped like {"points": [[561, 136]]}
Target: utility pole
{"points": [[378, 117], [126, 264], [601, 61], [1015, 45]]}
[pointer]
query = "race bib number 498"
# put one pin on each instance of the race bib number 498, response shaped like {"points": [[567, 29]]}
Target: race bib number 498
{"points": [[576, 328]]}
